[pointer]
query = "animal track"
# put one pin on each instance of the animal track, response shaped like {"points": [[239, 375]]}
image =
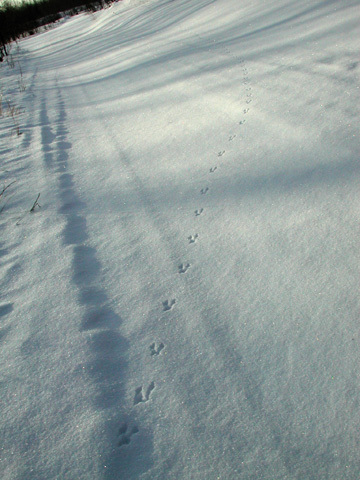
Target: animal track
{"points": [[193, 238], [248, 100], [125, 434], [184, 268], [199, 212], [220, 154], [204, 190], [168, 305], [140, 397], [231, 138], [245, 110], [154, 350], [212, 169], [242, 122]]}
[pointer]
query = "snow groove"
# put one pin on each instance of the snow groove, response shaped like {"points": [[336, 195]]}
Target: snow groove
{"points": [[100, 322]]}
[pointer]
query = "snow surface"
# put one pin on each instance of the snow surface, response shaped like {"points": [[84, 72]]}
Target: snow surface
{"points": [[185, 303]]}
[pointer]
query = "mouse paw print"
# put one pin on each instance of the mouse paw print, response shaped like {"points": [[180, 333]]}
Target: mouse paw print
{"points": [[168, 304], [193, 238], [125, 434]]}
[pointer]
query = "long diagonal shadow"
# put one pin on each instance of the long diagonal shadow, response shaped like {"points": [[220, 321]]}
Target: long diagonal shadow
{"points": [[107, 365], [107, 347]]}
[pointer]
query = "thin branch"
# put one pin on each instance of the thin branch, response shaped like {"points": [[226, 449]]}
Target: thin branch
{"points": [[5, 188], [35, 204]]}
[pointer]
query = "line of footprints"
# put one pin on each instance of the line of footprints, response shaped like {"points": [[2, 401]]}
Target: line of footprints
{"points": [[142, 395]]}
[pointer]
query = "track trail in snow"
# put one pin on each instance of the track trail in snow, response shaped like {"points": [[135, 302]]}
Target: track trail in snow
{"points": [[168, 332]]}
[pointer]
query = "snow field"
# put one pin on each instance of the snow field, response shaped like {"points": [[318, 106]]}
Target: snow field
{"points": [[184, 304]]}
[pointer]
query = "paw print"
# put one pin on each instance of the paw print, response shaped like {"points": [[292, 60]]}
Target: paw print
{"points": [[139, 395], [193, 238], [168, 305], [125, 434], [184, 268], [154, 350]]}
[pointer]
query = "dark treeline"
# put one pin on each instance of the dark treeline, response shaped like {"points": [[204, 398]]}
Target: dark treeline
{"points": [[18, 20]]}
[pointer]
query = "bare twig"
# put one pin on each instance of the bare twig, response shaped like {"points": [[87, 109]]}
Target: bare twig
{"points": [[36, 204], [5, 188], [32, 210], [4, 197], [22, 86], [14, 112], [10, 60]]}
